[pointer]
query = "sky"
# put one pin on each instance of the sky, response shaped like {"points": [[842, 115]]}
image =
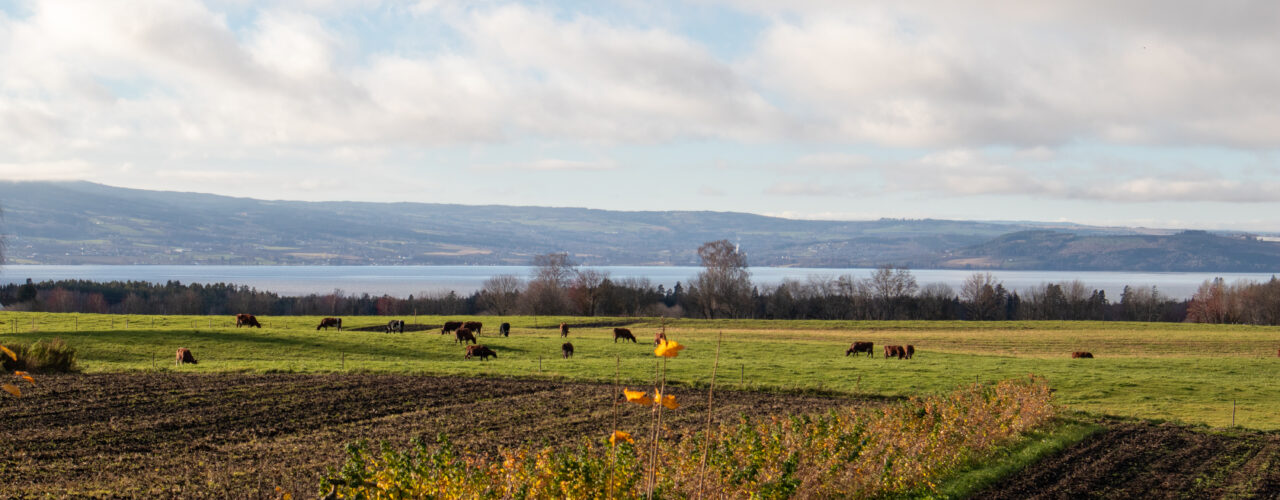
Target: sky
{"points": [[1156, 113]]}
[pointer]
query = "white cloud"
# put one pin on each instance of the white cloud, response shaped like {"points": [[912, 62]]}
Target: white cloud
{"points": [[805, 189]]}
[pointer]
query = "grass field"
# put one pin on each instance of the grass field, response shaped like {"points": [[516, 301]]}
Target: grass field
{"points": [[1179, 372]]}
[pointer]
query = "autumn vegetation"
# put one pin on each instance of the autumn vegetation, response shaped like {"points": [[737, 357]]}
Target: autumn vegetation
{"points": [[900, 448]]}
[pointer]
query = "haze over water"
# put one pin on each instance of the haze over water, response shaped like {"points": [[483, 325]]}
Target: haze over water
{"points": [[402, 281]]}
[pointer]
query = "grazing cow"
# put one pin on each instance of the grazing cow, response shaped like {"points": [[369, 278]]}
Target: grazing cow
{"points": [[1082, 354], [857, 347], [624, 334], [566, 350], [504, 329], [895, 351], [328, 322], [395, 325], [247, 320], [184, 356], [474, 326], [450, 326], [478, 350], [911, 351], [564, 329], [660, 337], [462, 335]]}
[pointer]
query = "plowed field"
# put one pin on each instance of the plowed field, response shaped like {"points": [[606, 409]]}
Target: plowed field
{"points": [[1142, 460], [241, 436]]}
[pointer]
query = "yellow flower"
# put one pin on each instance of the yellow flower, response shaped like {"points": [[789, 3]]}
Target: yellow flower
{"points": [[666, 400], [668, 349], [10, 353], [637, 397], [620, 436]]}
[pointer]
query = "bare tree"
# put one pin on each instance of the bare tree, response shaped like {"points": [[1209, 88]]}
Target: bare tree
{"points": [[546, 293], [891, 285], [983, 297], [501, 293], [723, 288], [889, 282], [587, 289], [553, 268]]}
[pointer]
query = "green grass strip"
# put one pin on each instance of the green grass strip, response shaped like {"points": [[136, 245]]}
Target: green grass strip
{"points": [[1012, 459]]}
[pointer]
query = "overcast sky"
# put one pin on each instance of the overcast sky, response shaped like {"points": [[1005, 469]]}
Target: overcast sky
{"points": [[1160, 113]]}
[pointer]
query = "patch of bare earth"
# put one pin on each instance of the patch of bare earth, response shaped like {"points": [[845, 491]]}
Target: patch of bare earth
{"points": [[241, 436], [1150, 461]]}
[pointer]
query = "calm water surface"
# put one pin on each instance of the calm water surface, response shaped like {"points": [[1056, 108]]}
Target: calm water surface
{"points": [[406, 280]]}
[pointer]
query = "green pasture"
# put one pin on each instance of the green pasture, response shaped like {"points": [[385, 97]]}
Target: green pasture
{"points": [[1180, 372]]}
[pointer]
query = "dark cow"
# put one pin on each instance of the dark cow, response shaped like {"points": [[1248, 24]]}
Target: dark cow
{"points": [[474, 326], [450, 326], [857, 347], [395, 325], [624, 334], [328, 322], [660, 337], [566, 350], [481, 351], [911, 351], [564, 329], [462, 335], [1082, 354], [184, 356], [504, 329], [247, 320]]}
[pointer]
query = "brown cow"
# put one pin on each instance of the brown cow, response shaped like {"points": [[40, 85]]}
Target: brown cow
{"points": [[564, 329], [481, 351], [247, 320], [911, 351], [566, 350], [328, 322], [462, 335], [450, 326], [184, 356], [660, 337], [474, 326], [624, 334], [1082, 354], [857, 347], [890, 351]]}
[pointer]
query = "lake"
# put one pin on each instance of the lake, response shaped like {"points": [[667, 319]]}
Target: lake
{"points": [[402, 281]]}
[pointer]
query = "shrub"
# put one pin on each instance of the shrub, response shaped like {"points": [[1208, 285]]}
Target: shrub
{"points": [[42, 357]]}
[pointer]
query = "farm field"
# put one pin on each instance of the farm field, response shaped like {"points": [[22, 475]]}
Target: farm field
{"points": [[1196, 374], [166, 435]]}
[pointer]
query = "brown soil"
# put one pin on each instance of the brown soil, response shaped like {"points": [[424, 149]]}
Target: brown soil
{"points": [[241, 436], [1144, 460]]}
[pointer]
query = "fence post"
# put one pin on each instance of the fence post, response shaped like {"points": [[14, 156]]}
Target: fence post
{"points": [[1233, 413], [742, 368]]}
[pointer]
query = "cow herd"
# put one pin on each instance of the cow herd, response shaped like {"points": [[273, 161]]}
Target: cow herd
{"points": [[467, 331], [890, 351]]}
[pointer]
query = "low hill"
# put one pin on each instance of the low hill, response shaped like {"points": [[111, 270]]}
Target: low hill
{"points": [[87, 223], [1055, 250]]}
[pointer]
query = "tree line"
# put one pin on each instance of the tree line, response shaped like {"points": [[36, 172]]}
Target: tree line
{"points": [[723, 289]]}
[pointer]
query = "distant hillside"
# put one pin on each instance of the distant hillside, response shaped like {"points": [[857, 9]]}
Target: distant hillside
{"points": [[1185, 251], [85, 223]]}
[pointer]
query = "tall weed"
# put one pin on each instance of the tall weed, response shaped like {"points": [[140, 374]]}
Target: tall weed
{"points": [[43, 356], [904, 448]]}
